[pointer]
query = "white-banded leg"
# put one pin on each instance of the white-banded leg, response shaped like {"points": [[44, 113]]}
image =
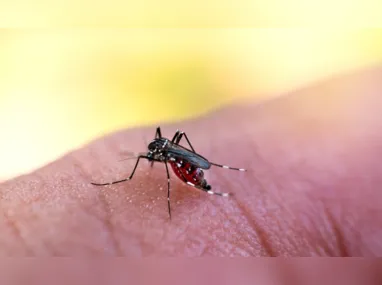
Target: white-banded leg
{"points": [[227, 167], [123, 180], [158, 135], [168, 189], [207, 188], [180, 136], [175, 136]]}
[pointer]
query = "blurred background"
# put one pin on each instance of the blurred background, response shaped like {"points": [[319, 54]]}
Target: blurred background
{"points": [[61, 88]]}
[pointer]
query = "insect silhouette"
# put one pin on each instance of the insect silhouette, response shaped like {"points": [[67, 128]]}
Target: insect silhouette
{"points": [[187, 165]]}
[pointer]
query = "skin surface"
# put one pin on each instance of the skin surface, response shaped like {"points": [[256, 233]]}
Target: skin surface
{"points": [[313, 185]]}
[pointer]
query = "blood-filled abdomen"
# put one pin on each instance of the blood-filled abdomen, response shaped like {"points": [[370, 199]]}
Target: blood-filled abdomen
{"points": [[189, 173]]}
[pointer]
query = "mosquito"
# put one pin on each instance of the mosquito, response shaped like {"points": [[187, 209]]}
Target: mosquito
{"points": [[187, 165]]}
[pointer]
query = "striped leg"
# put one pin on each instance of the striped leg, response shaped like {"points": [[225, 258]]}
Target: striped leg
{"points": [[158, 134], [123, 180], [180, 136], [227, 167], [168, 190]]}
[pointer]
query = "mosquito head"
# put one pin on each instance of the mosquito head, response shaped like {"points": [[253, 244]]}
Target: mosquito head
{"points": [[157, 145], [156, 149], [153, 146]]}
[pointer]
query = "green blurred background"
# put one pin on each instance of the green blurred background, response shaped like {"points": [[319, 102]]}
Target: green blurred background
{"points": [[60, 88]]}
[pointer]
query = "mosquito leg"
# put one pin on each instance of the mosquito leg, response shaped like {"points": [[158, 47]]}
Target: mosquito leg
{"points": [[227, 167], [123, 180], [180, 136], [175, 136], [168, 190], [207, 188], [158, 133], [184, 178]]}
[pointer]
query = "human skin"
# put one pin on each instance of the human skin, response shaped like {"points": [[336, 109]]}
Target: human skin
{"points": [[312, 186]]}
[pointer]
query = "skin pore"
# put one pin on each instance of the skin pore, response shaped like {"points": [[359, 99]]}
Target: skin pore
{"points": [[312, 186]]}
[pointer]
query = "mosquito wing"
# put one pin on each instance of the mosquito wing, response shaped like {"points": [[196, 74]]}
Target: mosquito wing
{"points": [[180, 152]]}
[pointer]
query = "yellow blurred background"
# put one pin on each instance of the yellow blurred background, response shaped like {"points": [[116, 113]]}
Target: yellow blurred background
{"points": [[191, 14], [60, 88]]}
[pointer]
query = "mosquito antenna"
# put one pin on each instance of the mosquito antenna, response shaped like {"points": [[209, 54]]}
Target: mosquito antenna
{"points": [[127, 158], [134, 156]]}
